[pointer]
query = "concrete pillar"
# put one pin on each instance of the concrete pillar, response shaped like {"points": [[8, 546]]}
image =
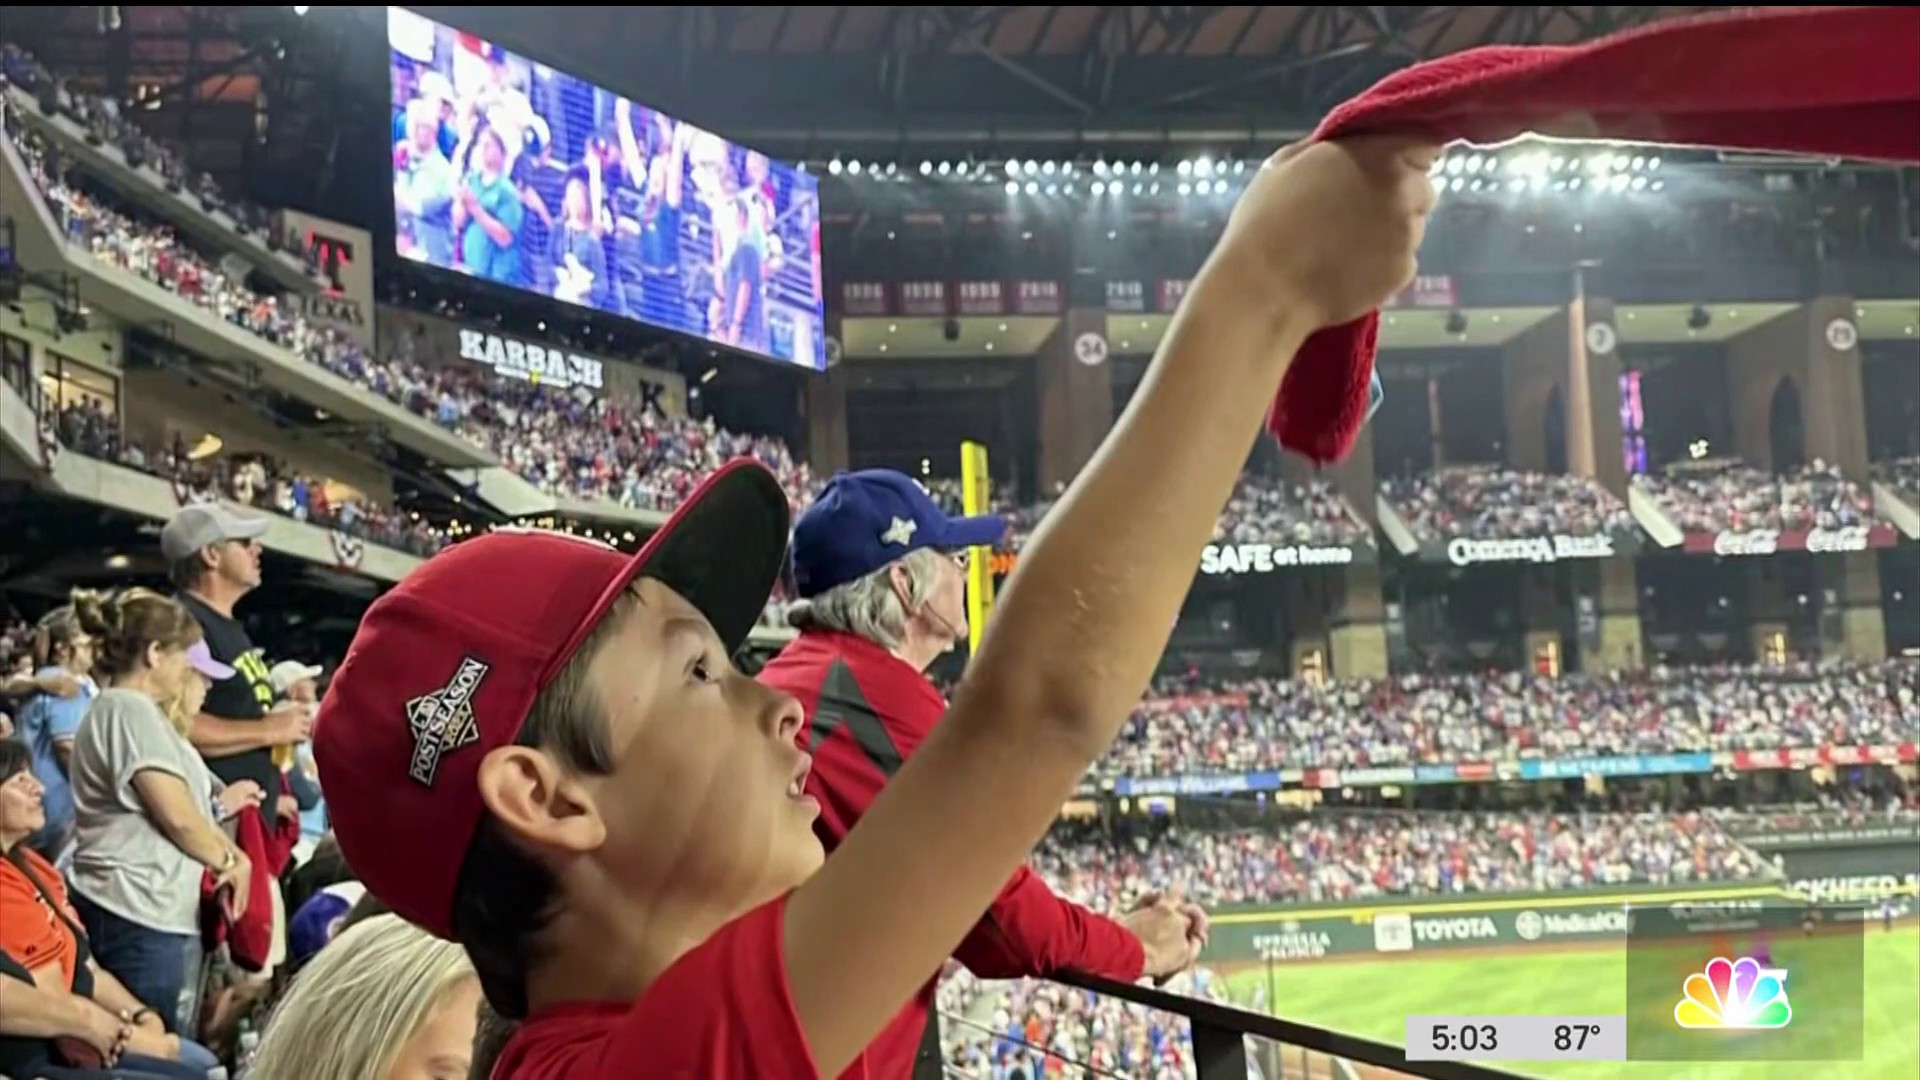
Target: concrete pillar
{"points": [[1076, 394], [1558, 356], [1615, 642], [823, 399], [1535, 362], [1853, 624], [1804, 346], [1357, 635]]}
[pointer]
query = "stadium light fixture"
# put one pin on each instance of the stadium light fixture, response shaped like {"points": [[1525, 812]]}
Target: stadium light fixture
{"points": [[834, 166], [1033, 188], [1013, 187], [853, 167], [1185, 188]]}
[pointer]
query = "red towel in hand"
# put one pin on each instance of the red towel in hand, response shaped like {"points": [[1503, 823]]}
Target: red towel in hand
{"points": [[249, 939], [1832, 81]]}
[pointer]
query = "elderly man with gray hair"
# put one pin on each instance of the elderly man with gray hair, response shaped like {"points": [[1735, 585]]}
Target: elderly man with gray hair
{"points": [[881, 572]]}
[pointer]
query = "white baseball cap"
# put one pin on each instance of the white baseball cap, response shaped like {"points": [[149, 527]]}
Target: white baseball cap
{"points": [[287, 672]]}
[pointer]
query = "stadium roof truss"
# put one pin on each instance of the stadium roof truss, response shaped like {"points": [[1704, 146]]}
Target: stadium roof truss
{"points": [[800, 81], [865, 76]]}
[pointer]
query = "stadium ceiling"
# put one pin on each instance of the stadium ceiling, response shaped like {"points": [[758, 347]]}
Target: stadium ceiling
{"points": [[852, 78], [293, 106]]}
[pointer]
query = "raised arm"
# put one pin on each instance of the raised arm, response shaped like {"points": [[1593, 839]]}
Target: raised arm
{"points": [[1322, 234]]}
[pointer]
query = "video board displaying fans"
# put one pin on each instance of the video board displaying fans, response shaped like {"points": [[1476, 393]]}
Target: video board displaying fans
{"points": [[512, 172]]}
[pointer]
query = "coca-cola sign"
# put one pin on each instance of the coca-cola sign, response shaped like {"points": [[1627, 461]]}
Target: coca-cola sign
{"points": [[1537, 549], [1733, 542]]}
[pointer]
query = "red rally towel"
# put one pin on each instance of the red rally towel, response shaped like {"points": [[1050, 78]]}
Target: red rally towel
{"points": [[250, 937], [1831, 81]]}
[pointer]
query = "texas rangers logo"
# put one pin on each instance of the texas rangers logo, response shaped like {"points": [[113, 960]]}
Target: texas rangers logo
{"points": [[443, 721]]}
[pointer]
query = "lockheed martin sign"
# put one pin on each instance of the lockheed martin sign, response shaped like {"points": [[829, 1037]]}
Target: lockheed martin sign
{"points": [[1536, 549], [540, 364]]}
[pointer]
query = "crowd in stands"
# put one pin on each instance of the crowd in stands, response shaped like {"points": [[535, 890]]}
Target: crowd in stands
{"points": [[595, 449], [1262, 510], [1326, 857], [1490, 503], [102, 118], [1032, 1029], [1726, 496], [257, 480], [1275, 723], [991, 1029]]}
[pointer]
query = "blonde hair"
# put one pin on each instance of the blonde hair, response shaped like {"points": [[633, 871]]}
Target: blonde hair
{"points": [[355, 1006], [176, 704]]}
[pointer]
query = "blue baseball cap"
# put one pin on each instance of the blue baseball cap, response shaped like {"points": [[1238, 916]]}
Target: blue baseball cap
{"points": [[866, 519]]}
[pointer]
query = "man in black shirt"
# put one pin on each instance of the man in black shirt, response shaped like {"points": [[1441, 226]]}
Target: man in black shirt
{"points": [[213, 559]]}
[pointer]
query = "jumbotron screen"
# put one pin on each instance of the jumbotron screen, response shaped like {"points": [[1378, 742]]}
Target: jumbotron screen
{"points": [[510, 171]]}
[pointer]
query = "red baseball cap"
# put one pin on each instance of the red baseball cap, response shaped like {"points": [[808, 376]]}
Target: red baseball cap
{"points": [[444, 668]]}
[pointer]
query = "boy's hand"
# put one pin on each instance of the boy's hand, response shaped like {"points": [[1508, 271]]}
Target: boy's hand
{"points": [[1329, 230]]}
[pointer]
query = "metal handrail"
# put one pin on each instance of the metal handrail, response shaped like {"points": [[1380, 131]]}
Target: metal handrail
{"points": [[1220, 1031]]}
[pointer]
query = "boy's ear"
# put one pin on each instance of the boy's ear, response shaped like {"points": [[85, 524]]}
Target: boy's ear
{"points": [[539, 802]]}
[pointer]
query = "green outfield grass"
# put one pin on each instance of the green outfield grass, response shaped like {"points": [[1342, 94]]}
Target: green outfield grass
{"points": [[1374, 998]]}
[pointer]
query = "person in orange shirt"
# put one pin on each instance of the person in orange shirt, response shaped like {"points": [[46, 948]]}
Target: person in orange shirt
{"points": [[60, 1013]]}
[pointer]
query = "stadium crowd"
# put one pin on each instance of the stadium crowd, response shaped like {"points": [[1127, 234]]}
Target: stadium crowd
{"points": [[258, 480], [1489, 503], [1326, 857], [1726, 496], [600, 449], [991, 1028], [1262, 509], [102, 118], [1276, 723], [87, 675]]}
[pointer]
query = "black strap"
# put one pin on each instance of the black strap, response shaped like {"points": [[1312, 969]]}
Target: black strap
{"points": [[928, 1062], [82, 950]]}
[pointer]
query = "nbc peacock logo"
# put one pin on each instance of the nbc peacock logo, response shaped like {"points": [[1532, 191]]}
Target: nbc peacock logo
{"points": [[1736, 995]]}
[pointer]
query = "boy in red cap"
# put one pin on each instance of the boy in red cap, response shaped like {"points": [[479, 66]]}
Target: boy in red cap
{"points": [[539, 748]]}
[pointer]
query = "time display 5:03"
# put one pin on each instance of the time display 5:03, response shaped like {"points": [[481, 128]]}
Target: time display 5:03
{"points": [[1468, 1038]]}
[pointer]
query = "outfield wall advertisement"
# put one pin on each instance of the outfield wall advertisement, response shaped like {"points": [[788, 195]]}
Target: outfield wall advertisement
{"points": [[1316, 933]]}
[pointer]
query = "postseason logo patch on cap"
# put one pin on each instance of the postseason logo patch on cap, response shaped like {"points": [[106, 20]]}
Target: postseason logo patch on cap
{"points": [[443, 721]]}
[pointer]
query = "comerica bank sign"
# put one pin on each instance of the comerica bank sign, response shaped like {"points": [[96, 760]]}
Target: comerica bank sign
{"points": [[1536, 549], [541, 365]]}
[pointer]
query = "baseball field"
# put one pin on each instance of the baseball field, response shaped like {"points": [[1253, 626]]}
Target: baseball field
{"points": [[1373, 997]]}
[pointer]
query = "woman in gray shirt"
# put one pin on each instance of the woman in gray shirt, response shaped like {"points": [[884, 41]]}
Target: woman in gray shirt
{"points": [[145, 801]]}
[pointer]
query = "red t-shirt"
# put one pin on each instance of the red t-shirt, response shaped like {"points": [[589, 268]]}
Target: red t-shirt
{"points": [[721, 1012], [867, 712]]}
